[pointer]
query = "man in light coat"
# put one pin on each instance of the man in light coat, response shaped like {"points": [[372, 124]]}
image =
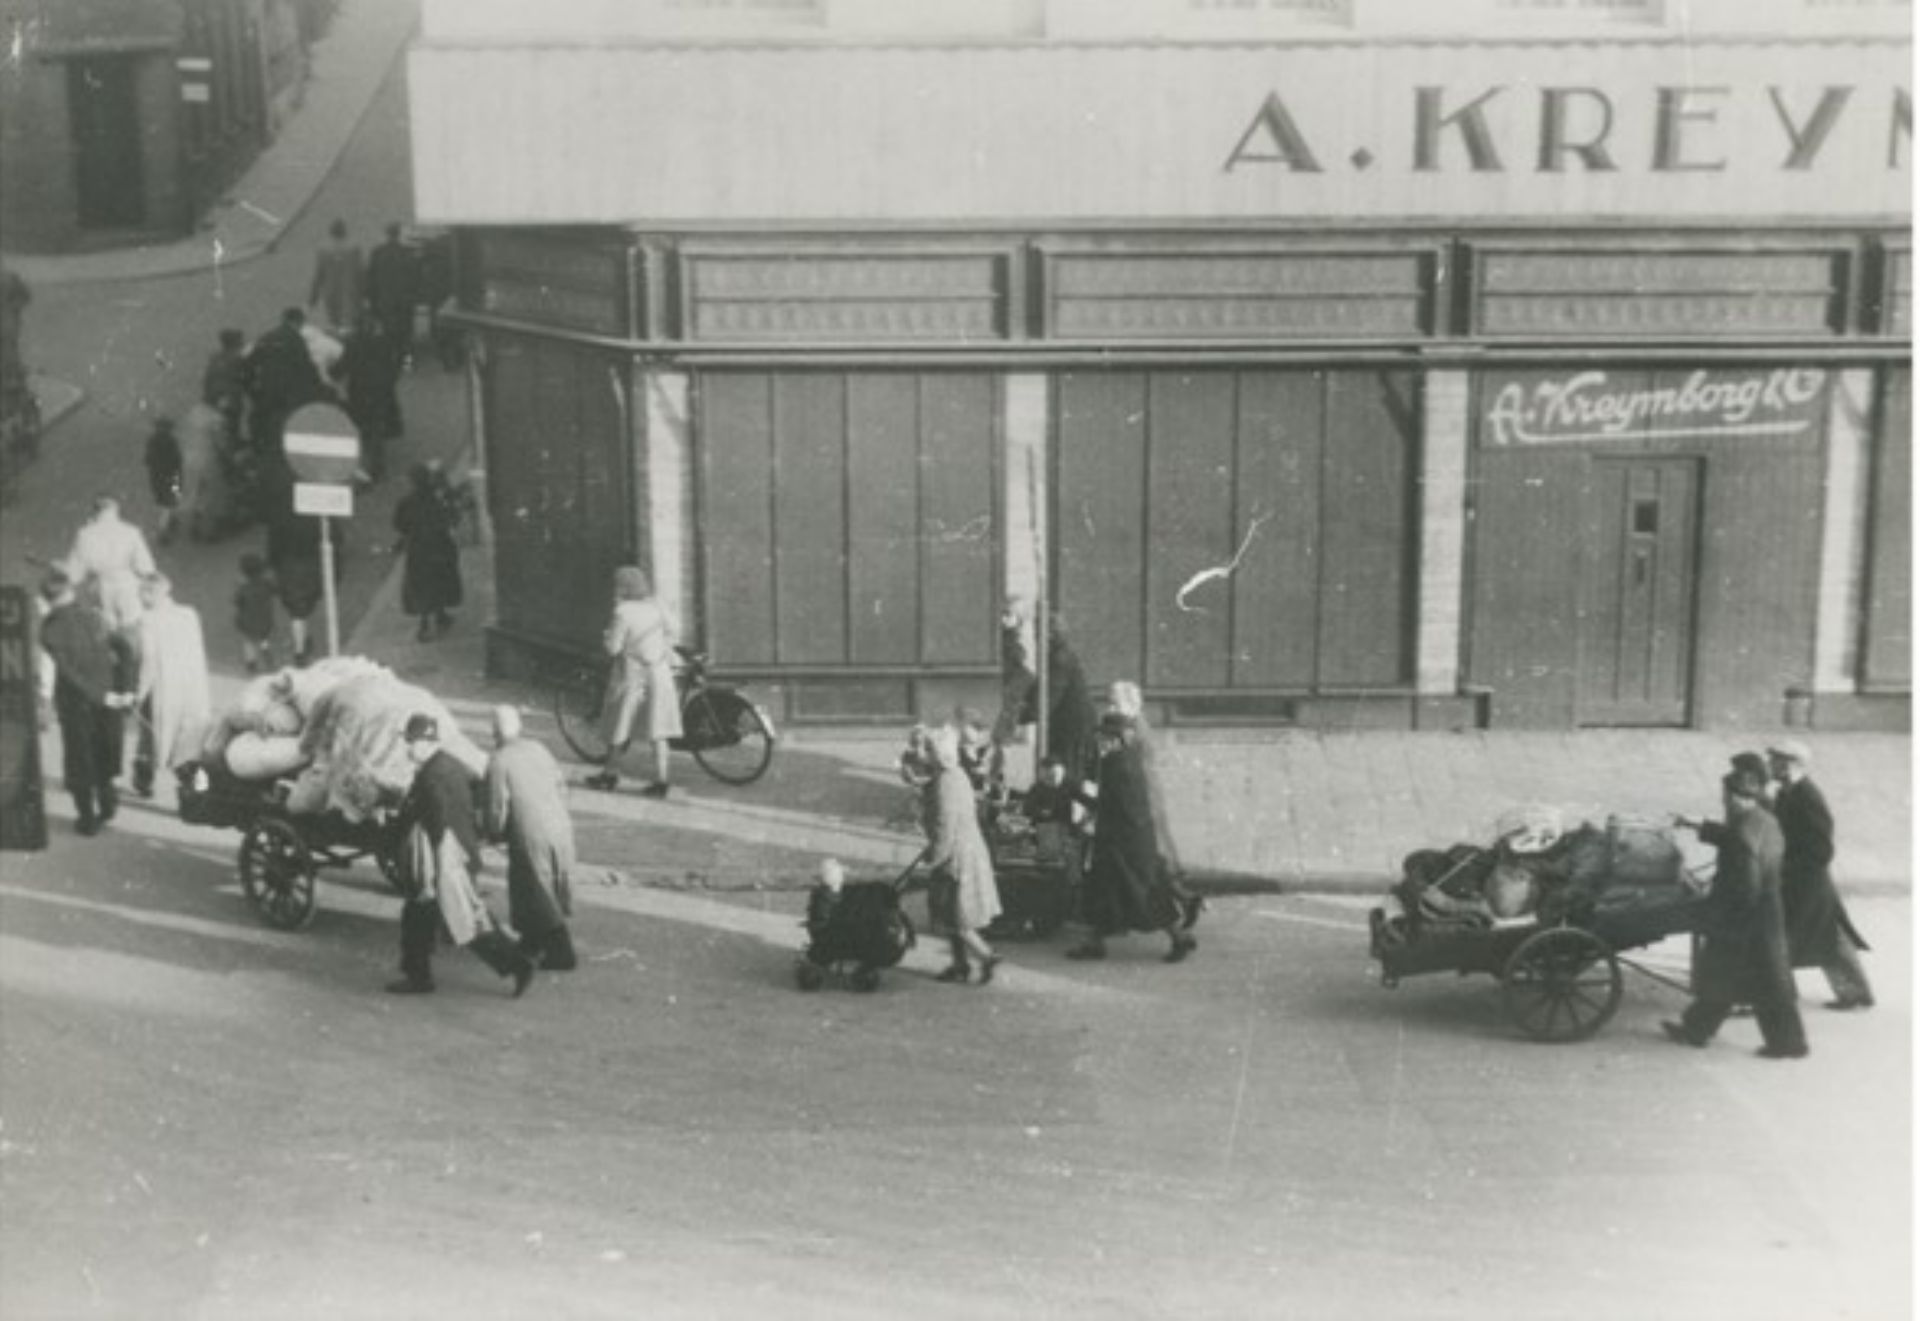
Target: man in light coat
{"points": [[173, 695], [526, 807]]}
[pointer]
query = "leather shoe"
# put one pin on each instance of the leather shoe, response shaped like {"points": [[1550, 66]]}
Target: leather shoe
{"points": [[1679, 1036], [987, 966], [1847, 1002], [522, 977], [1183, 945], [955, 972], [1782, 1052], [1087, 951], [658, 789], [604, 780], [408, 986]]}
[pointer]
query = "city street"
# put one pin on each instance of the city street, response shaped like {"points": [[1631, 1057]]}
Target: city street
{"points": [[205, 1118]]}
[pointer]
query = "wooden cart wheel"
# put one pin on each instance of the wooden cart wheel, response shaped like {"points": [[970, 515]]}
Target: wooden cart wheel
{"points": [[1562, 984], [277, 873]]}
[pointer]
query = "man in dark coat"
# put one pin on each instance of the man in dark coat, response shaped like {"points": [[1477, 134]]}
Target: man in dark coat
{"points": [[370, 373], [442, 857], [1071, 718], [280, 377], [1819, 932], [94, 670], [1126, 887], [393, 290], [1743, 952], [430, 585]]}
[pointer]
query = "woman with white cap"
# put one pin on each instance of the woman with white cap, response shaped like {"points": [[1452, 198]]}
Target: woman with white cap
{"points": [[1819, 932]]}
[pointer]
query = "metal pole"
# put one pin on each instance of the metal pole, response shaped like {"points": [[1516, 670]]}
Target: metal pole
{"points": [[326, 586]]}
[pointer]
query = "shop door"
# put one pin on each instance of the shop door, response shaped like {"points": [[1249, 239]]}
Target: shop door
{"points": [[106, 143], [1637, 597]]}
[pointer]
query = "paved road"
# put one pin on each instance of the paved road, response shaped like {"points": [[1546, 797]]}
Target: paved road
{"points": [[138, 350], [203, 1118]]}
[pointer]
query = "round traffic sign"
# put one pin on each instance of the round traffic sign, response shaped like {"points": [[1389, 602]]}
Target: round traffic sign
{"points": [[322, 444]]}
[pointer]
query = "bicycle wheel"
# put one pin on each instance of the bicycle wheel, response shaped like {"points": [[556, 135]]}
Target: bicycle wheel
{"points": [[727, 736], [577, 702]]}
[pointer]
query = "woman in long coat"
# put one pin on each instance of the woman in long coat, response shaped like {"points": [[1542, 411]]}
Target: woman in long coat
{"points": [[640, 639], [173, 695], [1126, 886], [430, 582], [963, 897]]}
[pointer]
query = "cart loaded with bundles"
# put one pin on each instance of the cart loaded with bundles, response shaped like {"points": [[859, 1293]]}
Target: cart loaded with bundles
{"points": [[311, 765], [1547, 911]]}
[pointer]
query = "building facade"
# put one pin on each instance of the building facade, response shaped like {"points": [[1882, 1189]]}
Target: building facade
{"points": [[1319, 363], [122, 120]]}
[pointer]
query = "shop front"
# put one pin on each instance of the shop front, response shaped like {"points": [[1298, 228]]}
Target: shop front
{"points": [[1320, 391]]}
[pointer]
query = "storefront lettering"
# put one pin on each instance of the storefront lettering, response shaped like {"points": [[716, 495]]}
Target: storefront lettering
{"points": [[1589, 406], [1577, 124]]}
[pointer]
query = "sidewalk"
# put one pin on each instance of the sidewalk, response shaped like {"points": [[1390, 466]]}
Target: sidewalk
{"points": [[349, 65], [1254, 809]]}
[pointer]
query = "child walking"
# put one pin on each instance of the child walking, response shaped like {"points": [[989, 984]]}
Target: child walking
{"points": [[253, 612]]}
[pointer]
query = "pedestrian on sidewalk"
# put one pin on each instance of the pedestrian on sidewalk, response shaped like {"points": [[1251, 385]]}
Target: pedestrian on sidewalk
{"points": [[1071, 720], [1743, 955], [1126, 886], [110, 555], [962, 897], [527, 809], [1125, 700], [393, 290], [173, 696], [253, 603], [368, 371], [223, 385], [640, 687], [280, 376], [442, 857], [1820, 934], [338, 287], [166, 471], [1019, 681], [294, 556], [430, 575], [93, 675]]}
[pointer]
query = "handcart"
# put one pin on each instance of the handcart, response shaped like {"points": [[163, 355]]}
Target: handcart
{"points": [[282, 852], [1559, 964]]}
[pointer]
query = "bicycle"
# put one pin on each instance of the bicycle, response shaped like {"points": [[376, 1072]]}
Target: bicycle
{"points": [[728, 733]]}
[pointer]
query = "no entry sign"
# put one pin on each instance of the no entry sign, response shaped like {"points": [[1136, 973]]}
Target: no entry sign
{"points": [[323, 445]]}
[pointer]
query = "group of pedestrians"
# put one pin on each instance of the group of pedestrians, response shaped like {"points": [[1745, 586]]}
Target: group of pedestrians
{"points": [[114, 642], [1095, 772], [1772, 906]]}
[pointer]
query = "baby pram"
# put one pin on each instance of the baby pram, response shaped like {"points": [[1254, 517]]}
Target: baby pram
{"points": [[856, 931]]}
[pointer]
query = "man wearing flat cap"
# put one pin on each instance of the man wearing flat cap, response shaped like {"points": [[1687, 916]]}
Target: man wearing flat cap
{"points": [[1819, 932], [440, 857], [1743, 951]]}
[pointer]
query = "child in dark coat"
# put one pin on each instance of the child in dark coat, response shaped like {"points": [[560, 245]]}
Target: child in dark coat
{"points": [[253, 612]]}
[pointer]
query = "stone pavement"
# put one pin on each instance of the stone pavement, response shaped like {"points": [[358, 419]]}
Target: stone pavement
{"points": [[1254, 809], [349, 65]]}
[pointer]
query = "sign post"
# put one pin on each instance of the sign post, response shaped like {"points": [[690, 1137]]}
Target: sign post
{"points": [[323, 448]]}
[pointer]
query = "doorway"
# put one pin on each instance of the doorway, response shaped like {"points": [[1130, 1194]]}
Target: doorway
{"points": [[1637, 614], [103, 106]]}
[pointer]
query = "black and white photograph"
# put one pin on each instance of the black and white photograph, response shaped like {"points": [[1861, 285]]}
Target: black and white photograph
{"points": [[1061, 660]]}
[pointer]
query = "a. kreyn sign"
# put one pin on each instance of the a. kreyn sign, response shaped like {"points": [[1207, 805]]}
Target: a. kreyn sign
{"points": [[1390, 131], [1579, 407]]}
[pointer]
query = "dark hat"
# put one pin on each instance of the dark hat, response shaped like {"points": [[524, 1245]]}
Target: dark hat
{"points": [[420, 726], [1752, 763], [1115, 723], [1745, 784]]}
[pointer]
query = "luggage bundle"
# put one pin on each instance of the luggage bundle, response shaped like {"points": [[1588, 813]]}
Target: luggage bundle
{"points": [[327, 737]]}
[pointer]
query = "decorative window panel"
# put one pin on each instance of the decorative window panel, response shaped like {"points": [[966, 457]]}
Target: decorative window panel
{"points": [[1238, 295], [782, 297], [1666, 294], [577, 283]]}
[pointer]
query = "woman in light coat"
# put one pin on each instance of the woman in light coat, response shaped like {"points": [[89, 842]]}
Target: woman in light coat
{"points": [[962, 897], [173, 695], [641, 689], [112, 553]]}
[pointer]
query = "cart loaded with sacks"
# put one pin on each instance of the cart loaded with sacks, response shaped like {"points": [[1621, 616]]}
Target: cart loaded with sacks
{"points": [[311, 766], [1549, 913]]}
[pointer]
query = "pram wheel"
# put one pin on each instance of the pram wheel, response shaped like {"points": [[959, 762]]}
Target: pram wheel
{"points": [[809, 976], [865, 979]]}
